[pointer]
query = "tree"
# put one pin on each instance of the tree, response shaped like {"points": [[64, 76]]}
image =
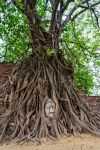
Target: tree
{"points": [[42, 99]]}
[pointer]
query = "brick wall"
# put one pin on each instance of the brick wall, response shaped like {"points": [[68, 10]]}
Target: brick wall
{"points": [[92, 101], [5, 71]]}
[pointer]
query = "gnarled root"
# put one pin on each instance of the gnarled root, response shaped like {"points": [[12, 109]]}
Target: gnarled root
{"points": [[32, 85]]}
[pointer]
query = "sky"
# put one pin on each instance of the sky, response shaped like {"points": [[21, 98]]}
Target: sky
{"points": [[96, 78], [1, 41], [1, 50]]}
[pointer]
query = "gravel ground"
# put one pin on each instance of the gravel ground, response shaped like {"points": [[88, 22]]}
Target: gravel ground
{"points": [[84, 142]]}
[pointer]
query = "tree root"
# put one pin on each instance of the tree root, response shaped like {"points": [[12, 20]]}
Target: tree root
{"points": [[31, 85]]}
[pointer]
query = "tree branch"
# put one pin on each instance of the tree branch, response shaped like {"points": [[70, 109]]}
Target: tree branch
{"points": [[18, 7], [66, 5], [68, 18], [86, 8], [89, 6], [76, 15], [30, 11], [96, 17], [54, 5]]}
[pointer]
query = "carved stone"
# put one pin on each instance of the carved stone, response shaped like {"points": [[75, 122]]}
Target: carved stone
{"points": [[50, 108]]}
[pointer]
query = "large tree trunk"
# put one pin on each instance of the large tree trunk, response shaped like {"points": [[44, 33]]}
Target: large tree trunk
{"points": [[43, 102]]}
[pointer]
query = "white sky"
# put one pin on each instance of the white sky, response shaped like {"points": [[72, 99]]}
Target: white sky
{"points": [[1, 41]]}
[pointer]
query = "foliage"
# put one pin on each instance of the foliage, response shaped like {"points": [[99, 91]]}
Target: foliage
{"points": [[83, 79], [14, 31], [81, 48]]}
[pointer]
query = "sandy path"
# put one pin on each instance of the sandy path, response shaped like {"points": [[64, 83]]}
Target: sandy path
{"points": [[84, 142]]}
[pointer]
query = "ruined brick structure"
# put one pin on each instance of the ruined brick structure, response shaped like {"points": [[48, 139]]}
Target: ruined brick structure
{"points": [[5, 71], [92, 101]]}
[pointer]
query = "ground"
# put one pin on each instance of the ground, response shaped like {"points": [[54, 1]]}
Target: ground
{"points": [[84, 142]]}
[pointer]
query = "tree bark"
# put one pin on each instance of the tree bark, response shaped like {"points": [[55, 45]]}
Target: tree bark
{"points": [[43, 102]]}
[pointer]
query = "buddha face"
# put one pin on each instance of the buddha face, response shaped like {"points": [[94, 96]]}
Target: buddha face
{"points": [[49, 108]]}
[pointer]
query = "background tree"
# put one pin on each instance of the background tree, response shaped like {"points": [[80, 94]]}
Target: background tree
{"points": [[42, 99]]}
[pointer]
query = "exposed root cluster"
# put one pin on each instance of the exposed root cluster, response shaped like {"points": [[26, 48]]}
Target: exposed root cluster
{"points": [[32, 83]]}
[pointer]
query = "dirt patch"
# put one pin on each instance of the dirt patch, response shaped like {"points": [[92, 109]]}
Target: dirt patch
{"points": [[84, 142]]}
